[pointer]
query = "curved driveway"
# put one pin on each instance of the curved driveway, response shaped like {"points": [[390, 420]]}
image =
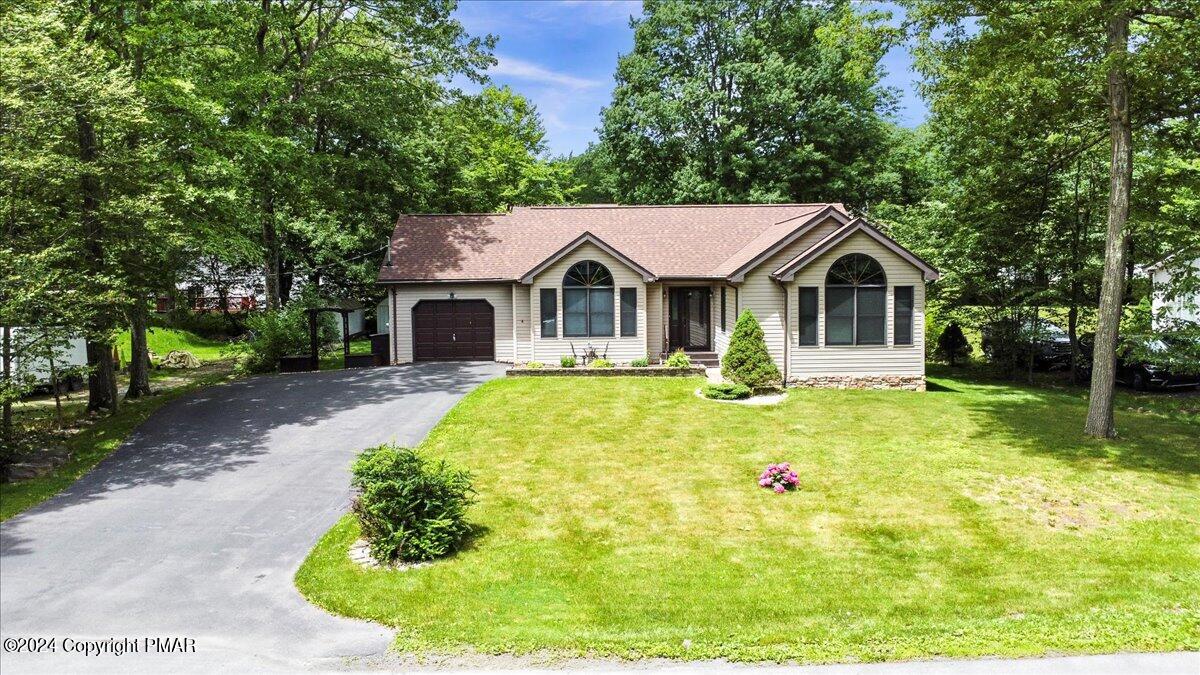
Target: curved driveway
{"points": [[196, 525]]}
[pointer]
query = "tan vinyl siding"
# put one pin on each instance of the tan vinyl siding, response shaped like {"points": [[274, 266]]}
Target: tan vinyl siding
{"points": [[408, 295], [619, 349], [655, 318], [721, 333], [524, 322], [885, 359], [760, 294]]}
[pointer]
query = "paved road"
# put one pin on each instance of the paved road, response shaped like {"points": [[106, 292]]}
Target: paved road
{"points": [[195, 527]]}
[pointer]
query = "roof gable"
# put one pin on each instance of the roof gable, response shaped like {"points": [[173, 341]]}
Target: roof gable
{"points": [[788, 270], [776, 239], [586, 238]]}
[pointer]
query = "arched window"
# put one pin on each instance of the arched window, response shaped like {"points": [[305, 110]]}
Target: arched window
{"points": [[855, 302], [588, 301]]}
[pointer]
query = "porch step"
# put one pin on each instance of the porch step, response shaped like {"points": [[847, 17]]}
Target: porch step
{"points": [[706, 359]]}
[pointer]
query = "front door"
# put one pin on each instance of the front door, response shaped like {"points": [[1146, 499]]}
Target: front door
{"points": [[689, 319]]}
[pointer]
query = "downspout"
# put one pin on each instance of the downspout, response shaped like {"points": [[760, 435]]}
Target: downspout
{"points": [[392, 326], [514, 322], [787, 331]]}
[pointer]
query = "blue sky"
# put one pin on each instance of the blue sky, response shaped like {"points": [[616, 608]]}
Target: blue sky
{"points": [[562, 56]]}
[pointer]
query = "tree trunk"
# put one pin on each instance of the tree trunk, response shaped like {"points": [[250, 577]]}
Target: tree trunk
{"points": [[7, 424], [102, 377], [1100, 403], [55, 385], [270, 239], [1073, 337], [139, 353]]}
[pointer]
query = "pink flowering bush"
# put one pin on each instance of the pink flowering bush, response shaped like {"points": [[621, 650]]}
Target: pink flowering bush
{"points": [[779, 477]]}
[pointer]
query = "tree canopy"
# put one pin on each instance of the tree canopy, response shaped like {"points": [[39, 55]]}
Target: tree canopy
{"points": [[751, 101]]}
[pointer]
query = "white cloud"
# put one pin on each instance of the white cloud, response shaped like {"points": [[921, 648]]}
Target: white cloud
{"points": [[532, 72]]}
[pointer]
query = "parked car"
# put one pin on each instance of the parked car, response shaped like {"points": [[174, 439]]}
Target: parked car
{"points": [[1051, 344], [1135, 366], [1135, 369]]}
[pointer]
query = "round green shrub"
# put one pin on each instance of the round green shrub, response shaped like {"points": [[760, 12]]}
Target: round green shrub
{"points": [[601, 363], [639, 363], [281, 332], [679, 359], [535, 365], [726, 391], [410, 508], [567, 362], [747, 360]]}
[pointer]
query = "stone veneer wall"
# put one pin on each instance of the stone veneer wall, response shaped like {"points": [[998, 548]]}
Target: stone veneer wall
{"points": [[906, 382]]}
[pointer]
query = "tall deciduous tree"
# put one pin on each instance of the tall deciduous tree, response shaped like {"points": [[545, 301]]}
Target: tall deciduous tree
{"points": [[327, 99], [1041, 87], [750, 101]]}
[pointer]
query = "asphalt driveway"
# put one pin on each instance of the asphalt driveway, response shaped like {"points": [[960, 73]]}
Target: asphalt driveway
{"points": [[195, 527]]}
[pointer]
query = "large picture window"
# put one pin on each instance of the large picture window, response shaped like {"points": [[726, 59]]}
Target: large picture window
{"points": [[855, 302], [588, 301], [549, 298]]}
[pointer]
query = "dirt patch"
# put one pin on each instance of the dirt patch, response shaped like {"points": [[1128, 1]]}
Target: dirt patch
{"points": [[1069, 508]]}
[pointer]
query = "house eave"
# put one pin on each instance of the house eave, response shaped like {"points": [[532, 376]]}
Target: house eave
{"points": [[401, 282]]}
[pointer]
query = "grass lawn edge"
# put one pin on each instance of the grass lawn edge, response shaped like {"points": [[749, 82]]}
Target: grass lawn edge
{"points": [[331, 555]]}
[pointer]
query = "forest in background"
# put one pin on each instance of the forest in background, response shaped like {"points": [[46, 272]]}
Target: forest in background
{"points": [[146, 143]]}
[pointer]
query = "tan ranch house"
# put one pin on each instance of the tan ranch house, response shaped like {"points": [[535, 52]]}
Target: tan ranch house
{"points": [[840, 303]]}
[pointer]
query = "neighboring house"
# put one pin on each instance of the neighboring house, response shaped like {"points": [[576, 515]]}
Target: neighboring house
{"points": [[840, 303], [28, 361], [204, 299], [381, 315], [1169, 305]]}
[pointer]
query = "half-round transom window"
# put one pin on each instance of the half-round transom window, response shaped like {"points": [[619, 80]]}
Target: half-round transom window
{"points": [[588, 274], [855, 301], [856, 269], [588, 300]]}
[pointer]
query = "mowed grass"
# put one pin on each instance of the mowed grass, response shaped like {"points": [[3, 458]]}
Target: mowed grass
{"points": [[162, 341], [621, 517]]}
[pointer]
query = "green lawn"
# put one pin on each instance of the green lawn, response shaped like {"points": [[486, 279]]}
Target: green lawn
{"points": [[334, 359], [164, 340], [621, 517]]}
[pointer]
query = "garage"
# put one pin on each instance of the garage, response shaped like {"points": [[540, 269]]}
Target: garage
{"points": [[454, 330]]}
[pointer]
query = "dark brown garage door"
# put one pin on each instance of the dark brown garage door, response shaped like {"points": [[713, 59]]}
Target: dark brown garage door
{"points": [[455, 330]]}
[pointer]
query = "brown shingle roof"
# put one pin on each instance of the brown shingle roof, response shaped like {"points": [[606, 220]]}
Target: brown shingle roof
{"points": [[670, 241]]}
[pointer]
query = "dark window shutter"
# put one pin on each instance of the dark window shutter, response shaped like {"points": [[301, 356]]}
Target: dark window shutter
{"points": [[549, 297], [628, 312], [808, 316], [903, 316]]}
